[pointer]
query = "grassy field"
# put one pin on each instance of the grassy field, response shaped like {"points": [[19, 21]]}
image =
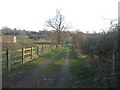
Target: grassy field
{"points": [[20, 39], [83, 75], [29, 65]]}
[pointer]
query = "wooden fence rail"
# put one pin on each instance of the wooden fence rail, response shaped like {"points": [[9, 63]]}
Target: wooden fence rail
{"points": [[27, 54]]}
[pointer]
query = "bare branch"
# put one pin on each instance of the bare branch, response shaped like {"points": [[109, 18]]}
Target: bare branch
{"points": [[58, 23]]}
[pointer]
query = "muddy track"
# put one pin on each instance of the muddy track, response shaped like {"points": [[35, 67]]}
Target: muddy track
{"points": [[35, 78], [61, 79], [27, 79]]}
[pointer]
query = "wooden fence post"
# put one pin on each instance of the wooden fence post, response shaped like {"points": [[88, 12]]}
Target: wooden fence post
{"points": [[23, 55], [37, 50], [8, 59], [50, 47], [31, 53], [42, 49], [45, 48], [54, 47]]}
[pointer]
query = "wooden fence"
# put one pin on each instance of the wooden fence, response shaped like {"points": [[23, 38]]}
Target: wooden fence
{"points": [[25, 54]]}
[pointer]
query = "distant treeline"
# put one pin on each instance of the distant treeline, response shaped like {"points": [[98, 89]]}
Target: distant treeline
{"points": [[24, 35], [30, 34]]}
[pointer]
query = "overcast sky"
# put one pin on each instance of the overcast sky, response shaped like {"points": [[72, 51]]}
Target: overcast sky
{"points": [[84, 15]]}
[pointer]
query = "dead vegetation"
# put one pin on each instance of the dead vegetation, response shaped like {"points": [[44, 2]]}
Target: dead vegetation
{"points": [[102, 51], [15, 45]]}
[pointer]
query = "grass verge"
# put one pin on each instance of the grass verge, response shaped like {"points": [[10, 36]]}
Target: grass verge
{"points": [[28, 65], [83, 75]]}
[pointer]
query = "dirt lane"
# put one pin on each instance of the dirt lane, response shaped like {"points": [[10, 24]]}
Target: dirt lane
{"points": [[28, 79], [63, 80], [35, 78]]}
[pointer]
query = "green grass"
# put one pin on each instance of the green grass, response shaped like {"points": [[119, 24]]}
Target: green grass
{"points": [[28, 65], [30, 39], [56, 65], [82, 73], [19, 38]]}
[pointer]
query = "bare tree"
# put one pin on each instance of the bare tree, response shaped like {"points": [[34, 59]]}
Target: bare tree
{"points": [[58, 23]]}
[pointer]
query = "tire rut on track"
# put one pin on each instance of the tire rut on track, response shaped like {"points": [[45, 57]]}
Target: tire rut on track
{"points": [[27, 79], [61, 79], [64, 76], [35, 78]]}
